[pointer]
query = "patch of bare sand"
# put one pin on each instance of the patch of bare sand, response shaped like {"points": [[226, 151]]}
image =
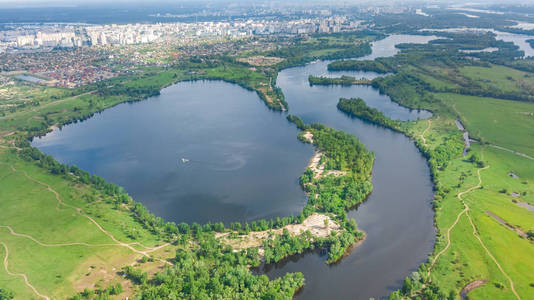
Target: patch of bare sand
{"points": [[308, 136], [4, 134], [103, 269], [315, 223], [315, 162]]}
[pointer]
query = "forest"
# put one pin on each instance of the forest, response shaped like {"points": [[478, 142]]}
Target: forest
{"points": [[356, 107], [343, 80], [359, 65]]}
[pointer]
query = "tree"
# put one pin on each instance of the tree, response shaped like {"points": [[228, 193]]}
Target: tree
{"points": [[6, 294]]}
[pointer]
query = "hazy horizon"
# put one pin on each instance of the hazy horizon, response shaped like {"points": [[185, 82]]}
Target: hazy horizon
{"points": [[80, 3]]}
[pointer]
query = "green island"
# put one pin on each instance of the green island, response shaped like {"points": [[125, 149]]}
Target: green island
{"points": [[356, 107], [343, 80], [337, 178], [359, 65]]}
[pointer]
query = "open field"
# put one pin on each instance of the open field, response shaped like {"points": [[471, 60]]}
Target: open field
{"points": [[15, 95], [499, 77], [504, 123], [59, 247], [466, 261]]}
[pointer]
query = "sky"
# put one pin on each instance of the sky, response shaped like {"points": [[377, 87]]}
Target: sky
{"points": [[70, 3]]}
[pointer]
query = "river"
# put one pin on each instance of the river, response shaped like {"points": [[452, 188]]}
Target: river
{"points": [[242, 162], [397, 216]]}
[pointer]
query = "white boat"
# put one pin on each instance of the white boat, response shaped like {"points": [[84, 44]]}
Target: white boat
{"points": [[184, 160]]}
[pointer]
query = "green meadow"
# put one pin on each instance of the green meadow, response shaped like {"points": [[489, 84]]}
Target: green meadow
{"points": [[52, 240], [504, 123], [503, 78]]}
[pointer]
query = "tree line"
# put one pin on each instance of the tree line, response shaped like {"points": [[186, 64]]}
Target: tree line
{"points": [[356, 107], [343, 80]]}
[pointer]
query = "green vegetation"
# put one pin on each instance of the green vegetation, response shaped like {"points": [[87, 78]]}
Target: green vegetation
{"points": [[211, 270], [359, 65], [6, 294], [324, 46], [504, 123], [406, 89], [345, 153], [356, 107], [343, 80], [22, 95], [344, 182]]}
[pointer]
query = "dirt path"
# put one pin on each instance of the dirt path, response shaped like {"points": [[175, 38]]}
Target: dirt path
{"points": [[315, 164], [424, 131], [6, 264], [466, 208], [475, 234], [12, 232], [448, 241], [503, 222], [79, 211], [512, 151], [471, 286]]}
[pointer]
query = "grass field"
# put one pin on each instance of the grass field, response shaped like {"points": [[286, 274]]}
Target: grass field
{"points": [[16, 95], [50, 241], [504, 123], [499, 77]]}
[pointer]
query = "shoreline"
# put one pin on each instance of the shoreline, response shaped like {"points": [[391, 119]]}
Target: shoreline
{"points": [[349, 249]]}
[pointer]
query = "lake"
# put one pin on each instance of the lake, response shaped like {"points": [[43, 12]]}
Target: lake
{"points": [[241, 161]]}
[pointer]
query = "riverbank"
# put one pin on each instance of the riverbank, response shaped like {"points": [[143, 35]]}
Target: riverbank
{"points": [[343, 80]]}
